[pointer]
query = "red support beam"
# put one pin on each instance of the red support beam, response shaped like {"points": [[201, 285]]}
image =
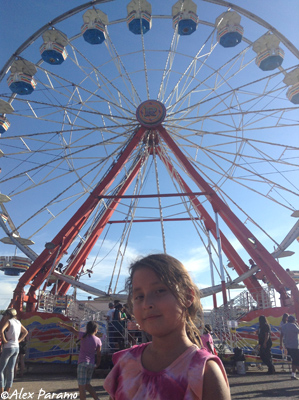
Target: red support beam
{"points": [[252, 284], [153, 220], [41, 267], [276, 275], [149, 196], [80, 258]]}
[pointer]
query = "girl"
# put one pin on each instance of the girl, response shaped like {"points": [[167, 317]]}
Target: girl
{"points": [[12, 332], [265, 342], [207, 340], [173, 366], [90, 345]]}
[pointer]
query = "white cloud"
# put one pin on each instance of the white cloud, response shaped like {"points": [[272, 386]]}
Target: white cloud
{"points": [[7, 288]]}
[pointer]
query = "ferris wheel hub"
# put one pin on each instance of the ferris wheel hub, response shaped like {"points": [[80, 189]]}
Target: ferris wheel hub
{"points": [[151, 113]]}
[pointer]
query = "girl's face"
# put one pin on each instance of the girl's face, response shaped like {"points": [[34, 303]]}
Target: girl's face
{"points": [[156, 309]]}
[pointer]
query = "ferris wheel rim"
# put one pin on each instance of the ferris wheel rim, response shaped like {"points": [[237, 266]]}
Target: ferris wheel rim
{"points": [[82, 7]]}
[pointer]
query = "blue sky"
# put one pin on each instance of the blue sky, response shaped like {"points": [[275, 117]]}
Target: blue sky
{"points": [[21, 19]]}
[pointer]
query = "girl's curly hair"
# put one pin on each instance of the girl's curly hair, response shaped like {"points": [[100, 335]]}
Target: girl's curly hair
{"points": [[175, 276], [91, 328]]}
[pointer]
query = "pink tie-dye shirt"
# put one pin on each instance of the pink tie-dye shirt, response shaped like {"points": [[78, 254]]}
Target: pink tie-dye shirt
{"points": [[182, 380]]}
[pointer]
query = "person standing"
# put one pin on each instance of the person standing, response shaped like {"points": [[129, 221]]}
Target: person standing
{"points": [[118, 328], [283, 321], [207, 340], [265, 342], [12, 333], [109, 317], [89, 357], [110, 312], [290, 337]]}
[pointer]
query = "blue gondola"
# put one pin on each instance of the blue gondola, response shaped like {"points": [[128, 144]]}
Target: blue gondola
{"points": [[186, 27], [293, 93], [22, 84], [93, 29], [230, 39], [229, 30], [269, 54], [270, 59], [137, 25], [184, 17], [94, 33], [53, 53], [53, 49], [139, 18]]}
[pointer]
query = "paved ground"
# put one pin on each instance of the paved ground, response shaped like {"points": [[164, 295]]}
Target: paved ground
{"points": [[60, 382]]}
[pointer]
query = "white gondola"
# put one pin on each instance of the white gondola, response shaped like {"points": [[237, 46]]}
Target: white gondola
{"points": [[5, 108], [294, 275], [287, 241], [4, 124], [229, 30], [184, 17], [22, 241], [4, 198], [4, 217], [14, 266], [292, 79], [93, 29], [21, 80], [269, 54], [53, 49], [139, 18]]}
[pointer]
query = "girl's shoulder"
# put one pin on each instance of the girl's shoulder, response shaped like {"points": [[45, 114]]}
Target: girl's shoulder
{"points": [[132, 352], [126, 372], [197, 368], [201, 356]]}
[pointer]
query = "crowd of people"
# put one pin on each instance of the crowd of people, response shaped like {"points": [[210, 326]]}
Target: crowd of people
{"points": [[119, 319], [176, 359]]}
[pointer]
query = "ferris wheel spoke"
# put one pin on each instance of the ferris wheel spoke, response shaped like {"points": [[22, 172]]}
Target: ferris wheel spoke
{"points": [[68, 93], [213, 81], [103, 83], [59, 159], [51, 217], [248, 96], [168, 68], [120, 66], [228, 198], [59, 110], [145, 66], [58, 199], [189, 75], [259, 177], [254, 175]]}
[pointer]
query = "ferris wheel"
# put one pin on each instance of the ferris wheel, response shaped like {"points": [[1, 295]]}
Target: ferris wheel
{"points": [[116, 116]]}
